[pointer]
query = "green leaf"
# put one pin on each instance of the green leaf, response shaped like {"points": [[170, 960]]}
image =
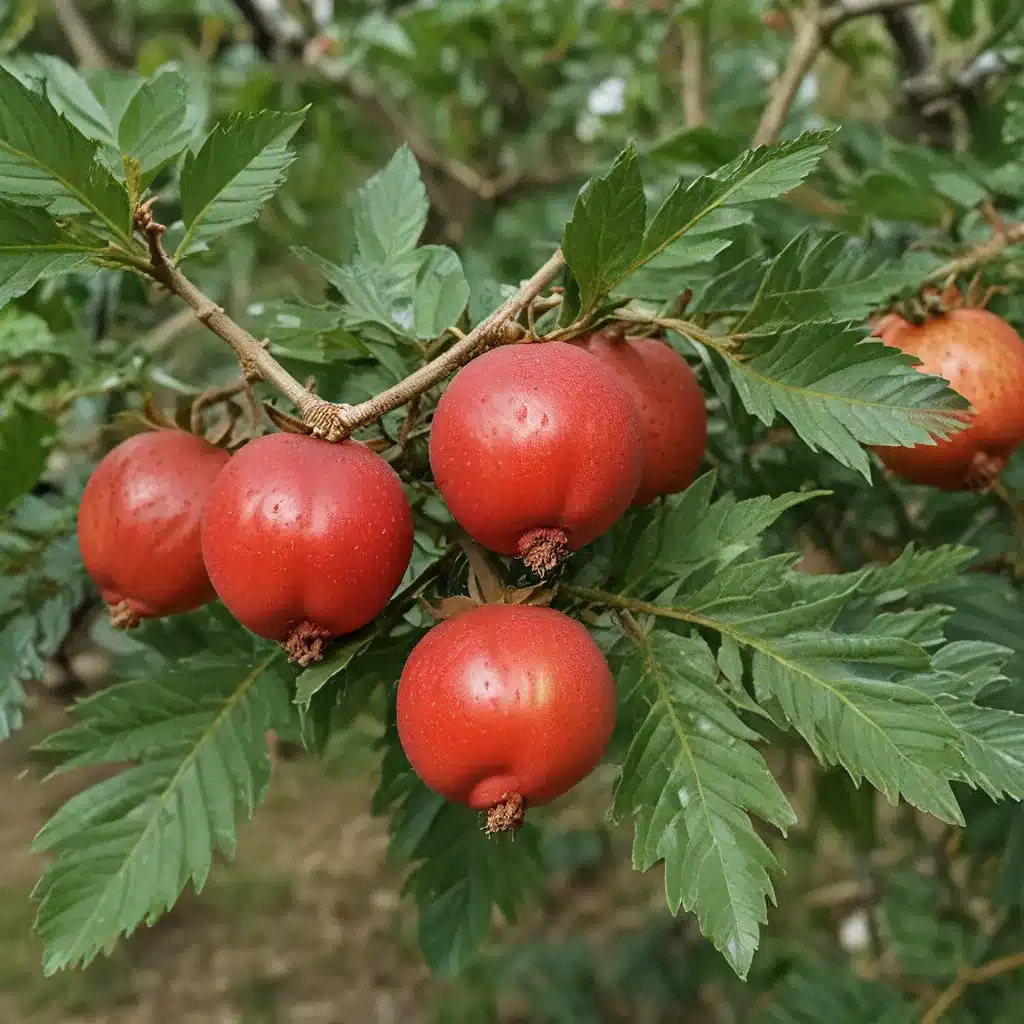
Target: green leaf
{"points": [[17, 661], [441, 291], [834, 278], [914, 570], [239, 167], [71, 96], [312, 680], [763, 173], [691, 778], [25, 334], [391, 211], [124, 849], [33, 246], [155, 128], [895, 197], [460, 873], [602, 239], [962, 17], [45, 160], [841, 391], [25, 439]]}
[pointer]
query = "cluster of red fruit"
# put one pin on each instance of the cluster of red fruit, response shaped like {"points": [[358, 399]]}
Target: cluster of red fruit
{"points": [[536, 448]]}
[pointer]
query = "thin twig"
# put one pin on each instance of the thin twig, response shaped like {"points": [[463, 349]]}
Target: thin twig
{"points": [[980, 254], [86, 47], [692, 73], [970, 976], [326, 419]]}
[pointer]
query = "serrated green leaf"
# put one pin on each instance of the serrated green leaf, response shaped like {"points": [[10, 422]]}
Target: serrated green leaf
{"points": [[239, 167], [70, 95], [312, 680], [841, 391], [25, 334], [17, 659], [914, 570], [46, 161], [763, 173], [441, 291], [690, 778], [154, 127], [33, 246], [391, 210], [834, 278], [123, 850], [603, 237]]}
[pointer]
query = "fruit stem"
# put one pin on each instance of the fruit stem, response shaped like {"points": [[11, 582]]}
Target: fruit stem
{"points": [[305, 643], [507, 815], [543, 549], [122, 616]]}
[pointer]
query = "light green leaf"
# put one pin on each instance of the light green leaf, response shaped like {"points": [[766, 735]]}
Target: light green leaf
{"points": [[45, 160], [841, 391], [441, 291], [239, 167], [691, 777], [124, 849], [25, 439], [32, 246], [391, 211], [602, 239], [155, 128], [18, 659], [71, 96]]}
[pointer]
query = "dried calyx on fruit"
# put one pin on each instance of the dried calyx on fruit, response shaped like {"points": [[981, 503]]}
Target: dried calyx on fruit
{"points": [[537, 449], [669, 401], [982, 357], [306, 540], [505, 707], [139, 524]]}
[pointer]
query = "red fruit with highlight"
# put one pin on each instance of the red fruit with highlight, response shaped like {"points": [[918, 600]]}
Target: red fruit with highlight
{"points": [[138, 524], [671, 406], [537, 449], [982, 357], [306, 540], [505, 707]]}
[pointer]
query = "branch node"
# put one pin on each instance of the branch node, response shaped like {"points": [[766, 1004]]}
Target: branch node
{"points": [[327, 420], [203, 314]]}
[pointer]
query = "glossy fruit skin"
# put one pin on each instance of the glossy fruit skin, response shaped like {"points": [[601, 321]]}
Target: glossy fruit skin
{"points": [[982, 357], [300, 530], [536, 436], [505, 699], [671, 406], [139, 523]]}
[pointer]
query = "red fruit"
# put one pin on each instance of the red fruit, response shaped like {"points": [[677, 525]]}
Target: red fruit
{"points": [[138, 524], [537, 449], [306, 540], [982, 357], [671, 407], [505, 707]]}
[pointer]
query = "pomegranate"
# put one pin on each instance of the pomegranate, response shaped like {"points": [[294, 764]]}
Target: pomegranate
{"points": [[138, 524], [671, 406], [982, 357], [306, 540], [537, 449], [504, 707]]}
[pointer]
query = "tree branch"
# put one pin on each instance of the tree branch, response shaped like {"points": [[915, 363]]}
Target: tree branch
{"points": [[327, 419], [692, 68], [970, 976], [812, 32], [85, 46], [1010, 235]]}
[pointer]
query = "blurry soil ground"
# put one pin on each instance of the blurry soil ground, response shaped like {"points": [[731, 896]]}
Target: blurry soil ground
{"points": [[305, 927]]}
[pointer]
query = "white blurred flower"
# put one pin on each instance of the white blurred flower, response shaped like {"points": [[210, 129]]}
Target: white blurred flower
{"points": [[607, 98], [855, 932]]}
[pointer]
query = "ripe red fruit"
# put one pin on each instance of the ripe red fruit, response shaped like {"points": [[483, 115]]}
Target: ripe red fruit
{"points": [[138, 524], [671, 406], [982, 357], [537, 449], [505, 707], [306, 540]]}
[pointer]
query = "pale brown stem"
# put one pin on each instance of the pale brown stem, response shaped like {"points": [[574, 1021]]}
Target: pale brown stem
{"points": [[694, 107], [87, 49], [970, 976], [326, 419], [980, 254]]}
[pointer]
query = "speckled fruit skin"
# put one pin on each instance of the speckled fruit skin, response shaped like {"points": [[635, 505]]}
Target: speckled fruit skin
{"points": [[138, 523], [505, 699], [536, 436], [671, 406], [982, 357], [300, 530]]}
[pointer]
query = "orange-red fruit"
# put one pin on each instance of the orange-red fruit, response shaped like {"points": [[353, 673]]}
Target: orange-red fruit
{"points": [[306, 540], [537, 449], [138, 524], [982, 357], [505, 707], [671, 407]]}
